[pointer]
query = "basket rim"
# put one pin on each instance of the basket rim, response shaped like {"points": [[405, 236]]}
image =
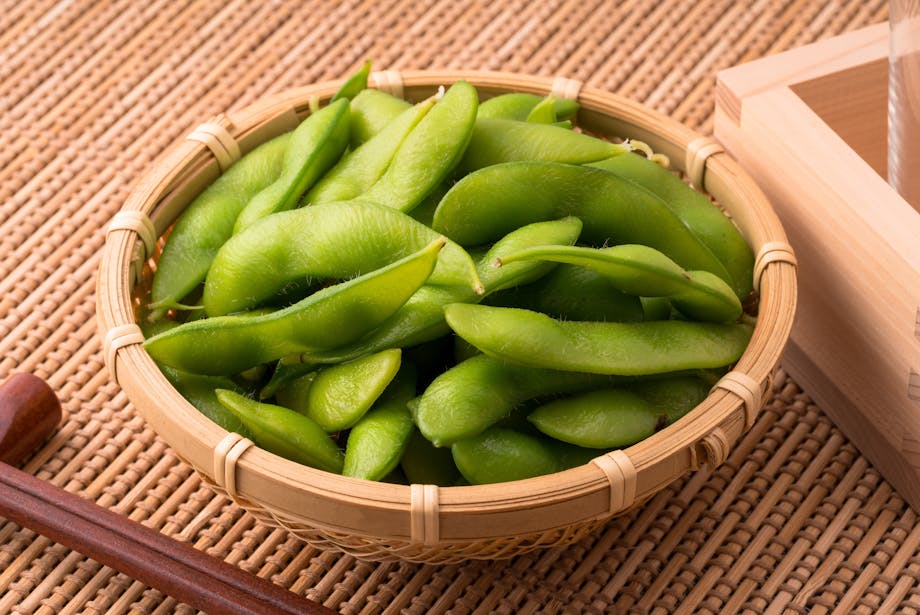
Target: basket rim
{"points": [[462, 513]]}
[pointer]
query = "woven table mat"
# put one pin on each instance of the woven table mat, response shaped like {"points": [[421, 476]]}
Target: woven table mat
{"points": [[92, 92]]}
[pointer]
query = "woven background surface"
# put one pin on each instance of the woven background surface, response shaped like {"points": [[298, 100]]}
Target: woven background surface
{"points": [[91, 92]]}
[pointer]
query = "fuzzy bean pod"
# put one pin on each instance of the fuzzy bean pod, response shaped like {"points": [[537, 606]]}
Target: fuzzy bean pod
{"points": [[331, 240], [315, 146], [495, 141], [284, 432], [331, 317], [493, 201], [500, 455], [430, 152], [377, 442], [645, 272], [207, 223], [628, 349], [371, 111], [360, 168], [519, 106], [475, 394], [701, 216]]}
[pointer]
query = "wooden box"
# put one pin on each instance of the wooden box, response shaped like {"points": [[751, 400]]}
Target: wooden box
{"points": [[810, 126]]}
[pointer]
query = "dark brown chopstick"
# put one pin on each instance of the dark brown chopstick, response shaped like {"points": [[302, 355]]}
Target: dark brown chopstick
{"points": [[175, 568]]}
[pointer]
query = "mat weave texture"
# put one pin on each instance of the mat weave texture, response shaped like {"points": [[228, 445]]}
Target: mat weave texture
{"points": [[92, 92]]}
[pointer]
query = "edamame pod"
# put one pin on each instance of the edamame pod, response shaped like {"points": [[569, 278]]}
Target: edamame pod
{"points": [[495, 141], [425, 464], [335, 315], [573, 293], [430, 152], [354, 84], [291, 393], [644, 271], [359, 169], [208, 222], [284, 432], [674, 396], [702, 217], [655, 308], [608, 418], [544, 112], [618, 417], [500, 455], [491, 202], [314, 147], [519, 105], [331, 240], [421, 319], [199, 391], [563, 232], [376, 443], [475, 394], [628, 349], [340, 394], [371, 111]]}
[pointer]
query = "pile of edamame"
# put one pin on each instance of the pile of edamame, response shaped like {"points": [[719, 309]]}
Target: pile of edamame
{"points": [[450, 292]]}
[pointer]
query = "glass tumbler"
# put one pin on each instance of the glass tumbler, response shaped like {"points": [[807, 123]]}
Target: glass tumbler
{"points": [[904, 100]]}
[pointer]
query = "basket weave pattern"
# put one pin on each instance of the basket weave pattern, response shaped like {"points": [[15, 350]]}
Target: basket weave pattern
{"points": [[377, 521]]}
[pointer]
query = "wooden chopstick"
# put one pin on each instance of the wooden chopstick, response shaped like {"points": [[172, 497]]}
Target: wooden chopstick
{"points": [[175, 568]]}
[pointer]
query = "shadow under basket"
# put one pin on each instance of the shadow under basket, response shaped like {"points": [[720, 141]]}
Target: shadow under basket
{"points": [[424, 523]]}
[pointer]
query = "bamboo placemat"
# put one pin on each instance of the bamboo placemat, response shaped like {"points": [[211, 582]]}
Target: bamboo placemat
{"points": [[92, 92]]}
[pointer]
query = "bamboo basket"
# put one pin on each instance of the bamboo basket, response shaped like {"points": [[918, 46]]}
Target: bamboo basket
{"points": [[425, 523]]}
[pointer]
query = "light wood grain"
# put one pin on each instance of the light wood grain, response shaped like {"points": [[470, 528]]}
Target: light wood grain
{"points": [[818, 154]]}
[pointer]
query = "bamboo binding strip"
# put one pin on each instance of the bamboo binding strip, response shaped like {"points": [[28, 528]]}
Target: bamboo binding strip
{"points": [[221, 143], [425, 523]]}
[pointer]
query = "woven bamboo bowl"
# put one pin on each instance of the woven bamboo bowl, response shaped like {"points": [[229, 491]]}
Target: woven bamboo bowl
{"points": [[381, 521]]}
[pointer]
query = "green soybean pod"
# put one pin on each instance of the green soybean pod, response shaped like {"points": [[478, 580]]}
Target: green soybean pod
{"points": [[341, 394], [430, 152], [619, 417], [360, 168], [421, 319], [643, 271], [673, 396], [495, 141], [354, 84], [626, 349], [500, 455], [315, 146], [425, 464], [490, 202], [331, 240], [424, 211], [701, 216], [477, 393], [292, 393], [655, 308], [371, 110], [562, 232], [377, 442], [199, 391], [544, 112], [572, 456], [573, 293], [208, 222], [519, 105], [607, 418], [284, 432], [331, 317]]}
